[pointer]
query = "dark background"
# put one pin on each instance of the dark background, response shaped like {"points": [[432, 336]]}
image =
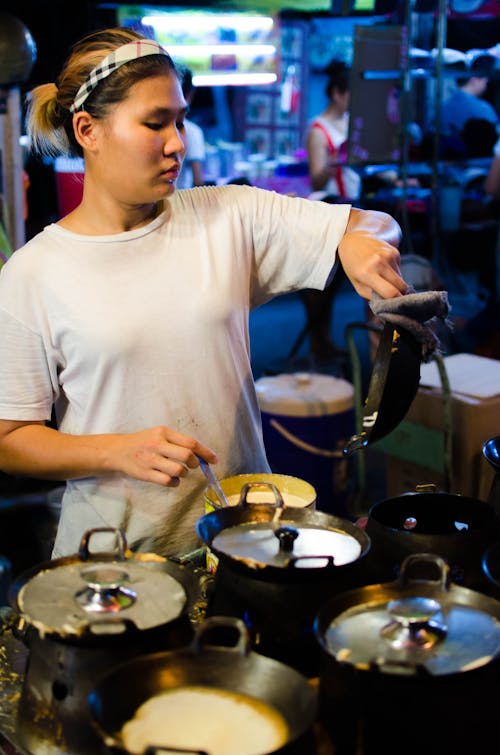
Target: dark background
{"points": [[56, 25]]}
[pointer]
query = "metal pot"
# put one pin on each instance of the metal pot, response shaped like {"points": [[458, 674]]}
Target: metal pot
{"points": [[277, 565], [410, 666], [228, 665], [79, 616], [491, 569], [456, 527], [276, 489], [491, 452]]}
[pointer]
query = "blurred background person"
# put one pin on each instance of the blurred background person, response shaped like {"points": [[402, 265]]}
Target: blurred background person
{"points": [[466, 101], [331, 181], [192, 168], [326, 140], [492, 182]]}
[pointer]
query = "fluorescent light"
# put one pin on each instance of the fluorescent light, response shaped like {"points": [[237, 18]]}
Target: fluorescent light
{"points": [[207, 21], [252, 51], [232, 79]]}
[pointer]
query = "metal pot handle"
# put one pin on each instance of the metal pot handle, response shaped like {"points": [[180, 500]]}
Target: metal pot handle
{"points": [[120, 544], [329, 560], [216, 625], [414, 559], [278, 499]]}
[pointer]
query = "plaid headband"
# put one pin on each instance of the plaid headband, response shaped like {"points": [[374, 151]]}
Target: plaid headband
{"points": [[115, 59]]}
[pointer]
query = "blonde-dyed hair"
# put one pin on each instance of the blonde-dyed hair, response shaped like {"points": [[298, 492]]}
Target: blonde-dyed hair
{"points": [[49, 122]]}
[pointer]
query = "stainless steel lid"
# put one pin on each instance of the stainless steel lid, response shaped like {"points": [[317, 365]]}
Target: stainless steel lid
{"points": [[278, 543], [98, 594], [436, 630]]}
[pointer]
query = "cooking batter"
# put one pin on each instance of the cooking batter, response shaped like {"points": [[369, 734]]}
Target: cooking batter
{"points": [[130, 315]]}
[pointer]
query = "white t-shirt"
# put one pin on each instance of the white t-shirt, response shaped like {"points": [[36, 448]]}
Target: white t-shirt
{"points": [[195, 151], [151, 327]]}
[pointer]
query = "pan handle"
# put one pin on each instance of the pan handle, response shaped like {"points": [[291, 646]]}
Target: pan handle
{"points": [[228, 632], [120, 544], [258, 485]]}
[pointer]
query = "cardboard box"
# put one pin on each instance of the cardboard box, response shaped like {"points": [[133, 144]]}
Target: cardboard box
{"points": [[417, 447]]}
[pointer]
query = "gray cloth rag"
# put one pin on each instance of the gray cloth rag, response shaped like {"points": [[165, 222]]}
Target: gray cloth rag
{"points": [[417, 313]]}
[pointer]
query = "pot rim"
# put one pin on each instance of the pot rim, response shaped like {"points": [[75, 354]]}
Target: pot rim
{"points": [[214, 522]]}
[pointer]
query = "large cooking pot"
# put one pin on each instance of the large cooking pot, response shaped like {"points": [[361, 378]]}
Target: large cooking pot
{"points": [[491, 452], [491, 569], [218, 661], [411, 665], [81, 615], [456, 527], [276, 489], [276, 565]]}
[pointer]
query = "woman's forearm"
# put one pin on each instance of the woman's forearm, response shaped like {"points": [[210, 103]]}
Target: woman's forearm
{"points": [[156, 454]]}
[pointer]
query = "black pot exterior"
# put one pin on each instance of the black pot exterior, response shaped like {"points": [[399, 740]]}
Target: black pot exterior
{"points": [[371, 712], [279, 610], [60, 675], [435, 532]]}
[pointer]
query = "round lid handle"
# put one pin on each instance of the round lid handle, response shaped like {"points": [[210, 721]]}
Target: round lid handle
{"points": [[287, 536], [415, 623], [104, 592]]}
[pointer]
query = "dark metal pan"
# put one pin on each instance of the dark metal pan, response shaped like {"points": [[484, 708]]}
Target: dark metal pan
{"points": [[393, 385], [223, 666]]}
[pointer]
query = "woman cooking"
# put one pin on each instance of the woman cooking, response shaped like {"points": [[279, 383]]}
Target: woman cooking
{"points": [[128, 318]]}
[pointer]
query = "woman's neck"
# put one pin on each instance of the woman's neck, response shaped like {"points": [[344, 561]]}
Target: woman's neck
{"points": [[89, 220]]}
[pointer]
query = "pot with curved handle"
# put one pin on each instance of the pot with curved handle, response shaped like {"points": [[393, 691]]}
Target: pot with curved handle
{"points": [[219, 662], [411, 665], [81, 615], [491, 452]]}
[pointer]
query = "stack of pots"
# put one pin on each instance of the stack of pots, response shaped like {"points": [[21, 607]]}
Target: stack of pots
{"points": [[80, 616], [276, 566]]}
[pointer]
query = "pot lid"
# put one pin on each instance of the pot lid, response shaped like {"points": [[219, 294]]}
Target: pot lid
{"points": [[409, 631], [282, 544], [99, 597], [304, 394]]}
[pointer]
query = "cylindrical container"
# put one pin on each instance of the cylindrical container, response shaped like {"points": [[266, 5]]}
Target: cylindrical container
{"points": [[294, 491], [307, 419]]}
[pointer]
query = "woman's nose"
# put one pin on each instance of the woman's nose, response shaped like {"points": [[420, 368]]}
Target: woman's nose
{"points": [[175, 142]]}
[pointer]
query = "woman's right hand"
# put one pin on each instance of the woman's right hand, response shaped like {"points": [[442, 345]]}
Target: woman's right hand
{"points": [[159, 454]]}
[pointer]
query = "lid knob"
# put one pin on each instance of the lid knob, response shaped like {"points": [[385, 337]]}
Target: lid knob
{"points": [[287, 536], [104, 592], [415, 623]]}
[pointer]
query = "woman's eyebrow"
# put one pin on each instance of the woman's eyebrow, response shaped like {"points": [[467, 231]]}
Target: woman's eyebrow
{"points": [[166, 112]]}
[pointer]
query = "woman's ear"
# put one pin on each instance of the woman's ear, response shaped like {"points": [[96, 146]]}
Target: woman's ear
{"points": [[84, 129]]}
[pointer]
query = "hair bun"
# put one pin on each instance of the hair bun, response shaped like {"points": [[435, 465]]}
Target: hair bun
{"points": [[335, 66]]}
